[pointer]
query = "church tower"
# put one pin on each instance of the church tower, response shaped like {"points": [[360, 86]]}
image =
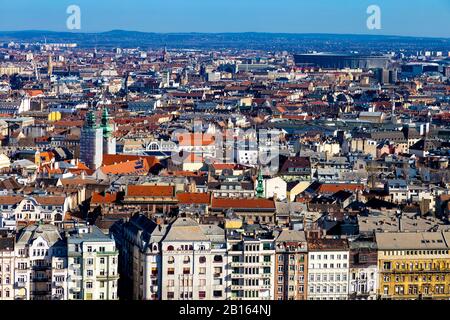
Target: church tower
{"points": [[260, 186], [91, 143], [109, 142], [50, 65]]}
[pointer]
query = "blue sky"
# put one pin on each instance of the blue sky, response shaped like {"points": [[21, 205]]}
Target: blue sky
{"points": [[399, 17]]}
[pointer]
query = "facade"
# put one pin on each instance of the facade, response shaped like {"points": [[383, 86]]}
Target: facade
{"points": [[251, 259], [363, 280], [93, 265], [413, 265], [30, 209], [291, 264], [91, 143], [7, 267], [328, 269], [342, 61], [193, 261], [140, 264], [40, 264]]}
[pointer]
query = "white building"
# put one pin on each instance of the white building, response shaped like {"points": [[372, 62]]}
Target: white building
{"points": [[328, 269], [193, 261], [276, 188], [363, 274], [40, 264], [93, 265], [25, 209], [251, 257]]}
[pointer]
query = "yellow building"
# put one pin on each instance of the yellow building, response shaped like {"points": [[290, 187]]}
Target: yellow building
{"points": [[413, 265]]}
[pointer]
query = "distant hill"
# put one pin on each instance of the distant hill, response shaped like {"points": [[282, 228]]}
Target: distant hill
{"points": [[250, 40]]}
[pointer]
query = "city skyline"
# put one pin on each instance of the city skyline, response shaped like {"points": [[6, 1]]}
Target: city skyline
{"points": [[424, 19]]}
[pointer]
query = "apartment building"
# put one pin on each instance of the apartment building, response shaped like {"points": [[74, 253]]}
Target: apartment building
{"points": [[140, 264], [40, 264], [328, 269], [363, 281], [413, 265], [291, 265], [93, 264], [251, 258], [193, 261], [17, 209], [7, 242]]}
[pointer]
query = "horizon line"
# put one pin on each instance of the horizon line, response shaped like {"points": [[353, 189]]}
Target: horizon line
{"points": [[225, 32]]}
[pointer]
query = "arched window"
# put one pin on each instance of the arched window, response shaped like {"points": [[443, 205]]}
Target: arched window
{"points": [[170, 248], [171, 260], [186, 259]]}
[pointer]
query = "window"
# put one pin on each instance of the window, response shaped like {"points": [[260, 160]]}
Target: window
{"points": [[89, 285], [202, 259], [170, 270], [202, 270], [171, 260], [217, 293], [202, 294], [218, 258], [102, 260]]}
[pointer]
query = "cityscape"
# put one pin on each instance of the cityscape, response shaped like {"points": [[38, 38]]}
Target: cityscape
{"points": [[224, 166]]}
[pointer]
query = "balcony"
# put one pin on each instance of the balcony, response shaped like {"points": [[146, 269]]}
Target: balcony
{"points": [[237, 287], [41, 268], [40, 279], [107, 277], [107, 253], [236, 264], [75, 289]]}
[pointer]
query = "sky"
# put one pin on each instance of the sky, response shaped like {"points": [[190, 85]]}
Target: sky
{"points": [[428, 18]]}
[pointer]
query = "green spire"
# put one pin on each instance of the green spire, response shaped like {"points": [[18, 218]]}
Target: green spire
{"points": [[260, 187], [90, 120], [107, 129]]}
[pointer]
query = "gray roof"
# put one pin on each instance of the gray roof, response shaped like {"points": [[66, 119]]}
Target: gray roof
{"points": [[411, 240], [185, 229], [94, 235], [291, 235], [48, 232]]}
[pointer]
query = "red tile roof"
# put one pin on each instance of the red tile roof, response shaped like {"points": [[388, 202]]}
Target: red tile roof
{"points": [[251, 203], [150, 191], [193, 198], [110, 159], [98, 198], [335, 187], [139, 166]]}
